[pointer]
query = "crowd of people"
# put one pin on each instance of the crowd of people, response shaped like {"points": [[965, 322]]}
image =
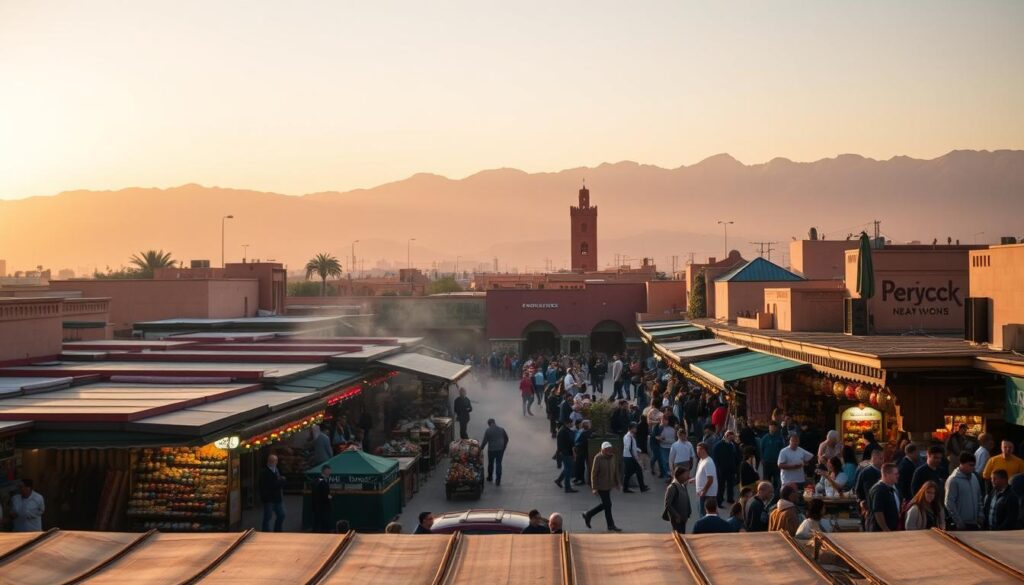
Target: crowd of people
{"points": [[779, 480]]}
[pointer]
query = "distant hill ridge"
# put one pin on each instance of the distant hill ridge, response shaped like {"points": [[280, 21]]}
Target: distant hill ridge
{"points": [[522, 217]]}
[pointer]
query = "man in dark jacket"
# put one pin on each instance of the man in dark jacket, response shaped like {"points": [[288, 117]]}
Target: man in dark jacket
{"points": [[322, 512], [620, 419], [581, 453], [755, 516], [934, 469], [677, 501], [272, 495], [726, 456], [867, 477], [770, 445], [554, 403], [711, 523], [907, 466], [566, 441], [1002, 509], [462, 409], [871, 444]]}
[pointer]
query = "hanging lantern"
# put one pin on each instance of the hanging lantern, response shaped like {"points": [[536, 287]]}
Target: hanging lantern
{"points": [[873, 399], [863, 392], [851, 392], [838, 389]]}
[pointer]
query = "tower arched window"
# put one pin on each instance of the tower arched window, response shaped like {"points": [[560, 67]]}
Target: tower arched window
{"points": [[584, 249]]}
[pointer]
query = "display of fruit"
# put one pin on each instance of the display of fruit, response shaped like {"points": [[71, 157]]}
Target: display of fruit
{"points": [[183, 483]]}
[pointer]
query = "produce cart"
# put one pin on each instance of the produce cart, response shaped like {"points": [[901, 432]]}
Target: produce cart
{"points": [[466, 472]]}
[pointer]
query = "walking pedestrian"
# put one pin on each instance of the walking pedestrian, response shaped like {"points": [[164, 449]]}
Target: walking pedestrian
{"points": [[581, 453], [677, 501], [321, 499], [706, 479], [27, 508], [272, 495], [495, 441], [526, 391], [565, 442], [539, 382], [462, 409], [616, 377], [553, 403], [604, 477], [630, 461]]}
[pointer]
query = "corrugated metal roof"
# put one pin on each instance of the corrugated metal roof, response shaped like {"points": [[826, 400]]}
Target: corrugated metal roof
{"points": [[759, 270]]}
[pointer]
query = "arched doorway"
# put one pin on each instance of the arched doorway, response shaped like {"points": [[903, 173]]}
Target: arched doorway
{"points": [[540, 337], [607, 337]]}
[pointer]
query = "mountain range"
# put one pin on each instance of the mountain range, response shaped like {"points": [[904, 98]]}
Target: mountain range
{"points": [[522, 218]]}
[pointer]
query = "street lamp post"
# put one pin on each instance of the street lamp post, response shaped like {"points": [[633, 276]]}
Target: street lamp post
{"points": [[352, 267], [222, 220], [245, 252], [725, 227], [408, 252], [457, 258]]}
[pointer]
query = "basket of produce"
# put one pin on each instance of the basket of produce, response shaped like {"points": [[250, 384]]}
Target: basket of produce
{"points": [[398, 448], [465, 473]]}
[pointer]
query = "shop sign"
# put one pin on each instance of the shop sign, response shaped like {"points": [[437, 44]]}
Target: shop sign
{"points": [[921, 300], [858, 413], [540, 305], [1015, 400]]}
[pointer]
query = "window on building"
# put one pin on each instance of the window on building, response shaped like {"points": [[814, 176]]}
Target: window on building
{"points": [[584, 249]]}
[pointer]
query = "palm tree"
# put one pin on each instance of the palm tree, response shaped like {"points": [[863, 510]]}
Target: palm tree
{"points": [[323, 265], [147, 262]]}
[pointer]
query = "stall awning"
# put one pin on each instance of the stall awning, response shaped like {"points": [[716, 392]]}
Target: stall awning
{"points": [[609, 559], [657, 325], [411, 559], [673, 332], [507, 558], [708, 352], [1004, 547], [740, 367], [13, 426], [675, 346], [427, 366], [911, 556], [321, 382], [720, 558]]}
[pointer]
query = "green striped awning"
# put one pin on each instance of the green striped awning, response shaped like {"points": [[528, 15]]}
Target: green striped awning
{"points": [[740, 367]]}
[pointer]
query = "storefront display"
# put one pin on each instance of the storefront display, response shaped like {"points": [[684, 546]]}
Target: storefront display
{"points": [[855, 421], [180, 488]]}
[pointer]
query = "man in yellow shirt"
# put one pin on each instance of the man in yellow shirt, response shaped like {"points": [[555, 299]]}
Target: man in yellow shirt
{"points": [[1006, 460]]}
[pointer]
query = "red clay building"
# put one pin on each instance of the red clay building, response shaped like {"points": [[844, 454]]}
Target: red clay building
{"points": [[600, 317]]}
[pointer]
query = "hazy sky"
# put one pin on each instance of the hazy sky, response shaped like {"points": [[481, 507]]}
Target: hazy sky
{"points": [[298, 97]]}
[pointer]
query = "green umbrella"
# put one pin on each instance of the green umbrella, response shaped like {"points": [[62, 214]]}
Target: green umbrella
{"points": [[865, 271]]}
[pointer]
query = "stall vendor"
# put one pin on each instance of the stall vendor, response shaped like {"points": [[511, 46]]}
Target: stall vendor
{"points": [[342, 431]]}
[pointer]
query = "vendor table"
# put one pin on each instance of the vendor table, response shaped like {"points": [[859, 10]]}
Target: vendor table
{"points": [[409, 471], [842, 510]]}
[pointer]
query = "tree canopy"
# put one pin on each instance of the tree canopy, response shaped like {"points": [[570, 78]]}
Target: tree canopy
{"points": [[698, 306], [147, 262], [324, 266]]}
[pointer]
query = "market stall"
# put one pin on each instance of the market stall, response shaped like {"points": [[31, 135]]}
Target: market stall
{"points": [[653, 559], [365, 490], [1004, 547], [771, 556], [168, 559], [391, 558], [266, 560], [64, 556], [911, 557], [507, 558]]}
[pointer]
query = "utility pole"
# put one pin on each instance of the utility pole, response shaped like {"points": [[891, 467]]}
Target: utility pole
{"points": [[765, 246], [878, 229], [352, 267], [692, 254], [725, 227]]}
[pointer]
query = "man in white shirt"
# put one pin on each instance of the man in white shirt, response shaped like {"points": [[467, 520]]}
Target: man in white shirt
{"points": [[791, 462], [630, 461], [706, 480], [570, 383], [27, 508], [616, 378], [681, 454]]}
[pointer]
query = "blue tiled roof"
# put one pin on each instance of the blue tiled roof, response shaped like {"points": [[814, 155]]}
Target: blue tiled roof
{"points": [[759, 270]]}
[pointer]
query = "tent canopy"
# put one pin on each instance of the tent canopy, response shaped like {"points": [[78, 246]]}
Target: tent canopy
{"points": [[740, 367], [350, 465]]}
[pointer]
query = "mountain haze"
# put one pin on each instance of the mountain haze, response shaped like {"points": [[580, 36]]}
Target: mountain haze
{"points": [[522, 218]]}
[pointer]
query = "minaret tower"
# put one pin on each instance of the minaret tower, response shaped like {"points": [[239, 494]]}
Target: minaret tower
{"points": [[584, 234]]}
